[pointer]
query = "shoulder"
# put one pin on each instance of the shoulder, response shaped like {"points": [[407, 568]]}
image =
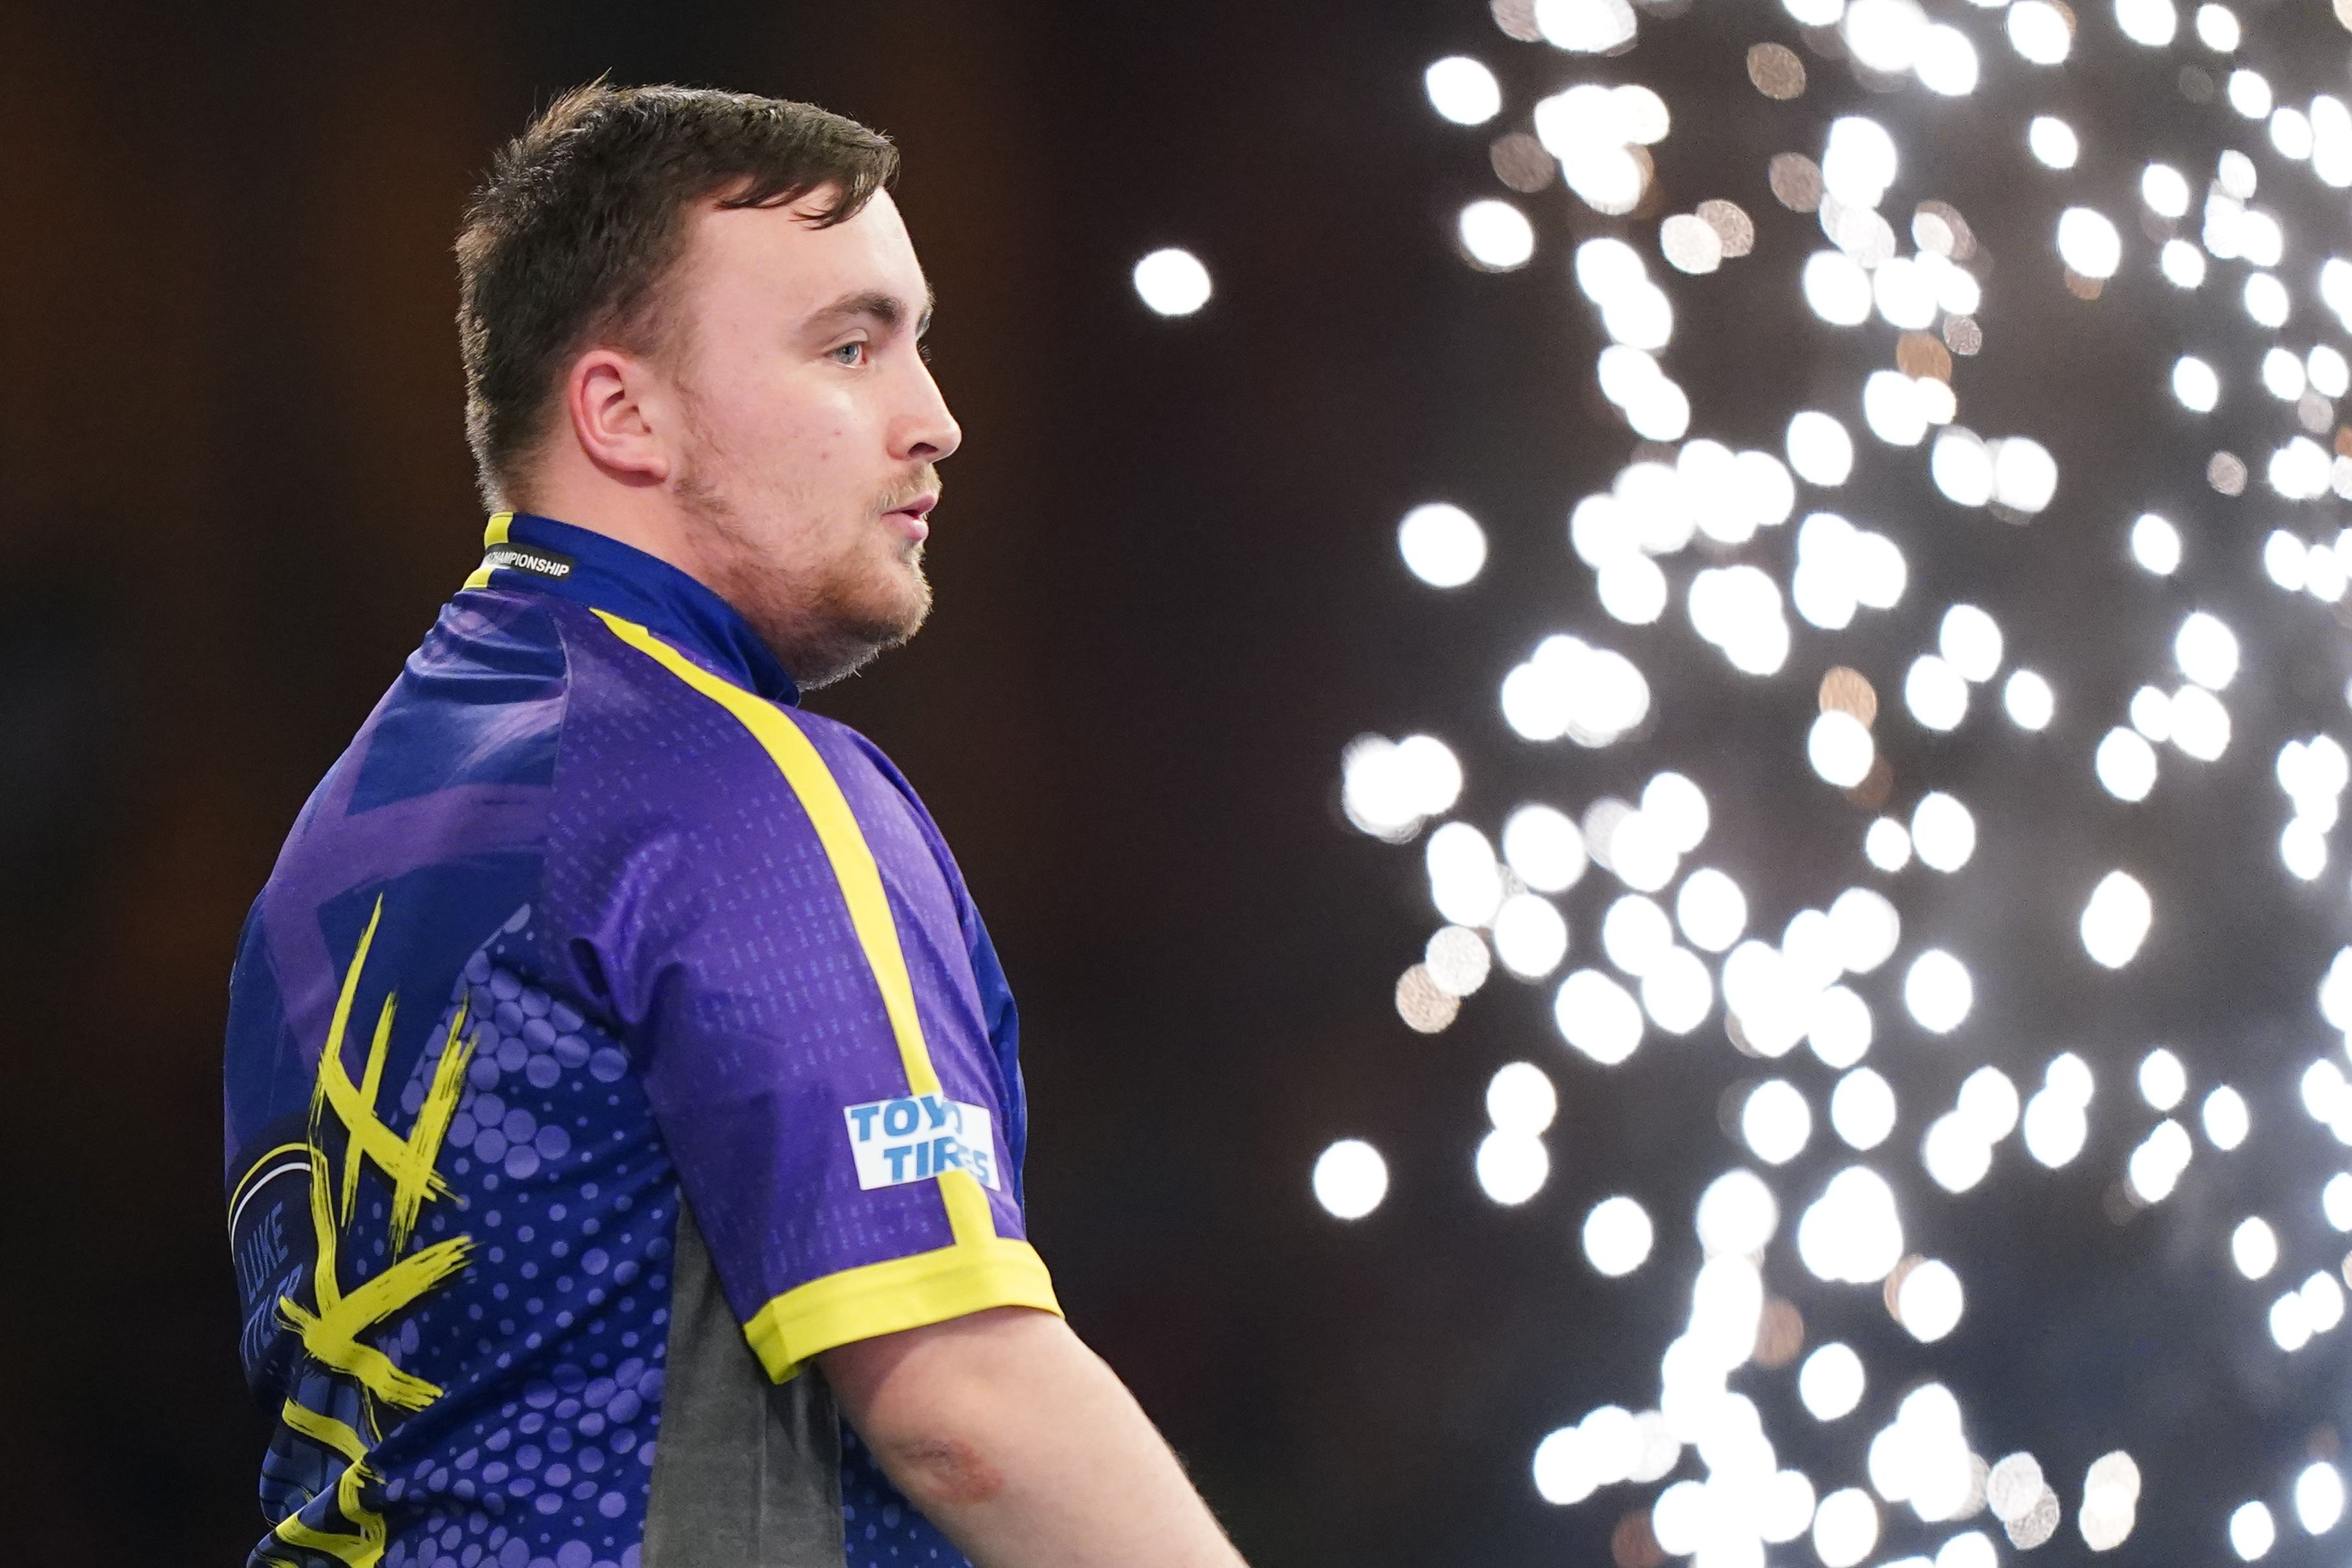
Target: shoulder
{"points": [[852, 758], [657, 740], [661, 754], [881, 795], [479, 703], [647, 723]]}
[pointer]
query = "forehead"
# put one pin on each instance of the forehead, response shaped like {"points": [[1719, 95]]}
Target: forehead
{"points": [[777, 261]]}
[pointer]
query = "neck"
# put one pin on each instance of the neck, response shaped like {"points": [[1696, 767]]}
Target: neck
{"points": [[643, 514]]}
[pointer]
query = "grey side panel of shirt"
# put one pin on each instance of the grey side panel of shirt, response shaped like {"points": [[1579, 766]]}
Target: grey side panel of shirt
{"points": [[747, 1473]]}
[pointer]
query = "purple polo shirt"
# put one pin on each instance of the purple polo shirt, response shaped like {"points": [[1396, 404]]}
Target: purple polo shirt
{"points": [[595, 972]]}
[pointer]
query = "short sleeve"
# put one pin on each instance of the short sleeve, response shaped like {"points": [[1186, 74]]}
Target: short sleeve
{"points": [[801, 999]]}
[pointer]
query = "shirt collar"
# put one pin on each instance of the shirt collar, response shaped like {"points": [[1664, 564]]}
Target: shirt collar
{"points": [[538, 554]]}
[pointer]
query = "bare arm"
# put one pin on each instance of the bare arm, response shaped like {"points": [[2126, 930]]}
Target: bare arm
{"points": [[1018, 1442]]}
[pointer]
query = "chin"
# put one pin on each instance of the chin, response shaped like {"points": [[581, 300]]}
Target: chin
{"points": [[830, 642], [899, 599]]}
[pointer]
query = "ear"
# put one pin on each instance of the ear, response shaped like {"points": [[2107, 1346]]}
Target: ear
{"points": [[617, 405]]}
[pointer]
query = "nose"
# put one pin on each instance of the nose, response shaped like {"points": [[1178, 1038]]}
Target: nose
{"points": [[927, 432]]}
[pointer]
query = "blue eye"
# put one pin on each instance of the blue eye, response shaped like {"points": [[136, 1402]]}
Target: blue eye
{"points": [[856, 350]]}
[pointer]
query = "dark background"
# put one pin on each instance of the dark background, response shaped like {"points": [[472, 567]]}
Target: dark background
{"points": [[234, 491]]}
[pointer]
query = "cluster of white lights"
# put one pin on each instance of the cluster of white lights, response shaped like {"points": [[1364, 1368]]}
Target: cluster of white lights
{"points": [[2301, 567], [1852, 1233], [2155, 1167], [1842, 568], [2021, 1497], [1653, 404], [1701, 241], [1657, 964], [1780, 995], [1585, 27], [2300, 470], [1608, 1446], [1922, 1457], [2312, 773], [1653, 510], [1738, 609], [1734, 1510], [1894, 37], [2110, 1502], [1511, 1162], [1748, 1500], [1656, 508], [2015, 473], [2233, 230], [1389, 788], [2191, 717], [1497, 912], [2310, 1309], [1958, 1150], [1600, 135], [2056, 1122], [1968, 651], [1471, 888], [1863, 276], [1568, 687]]}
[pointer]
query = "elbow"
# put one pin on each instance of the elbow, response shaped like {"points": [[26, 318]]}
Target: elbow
{"points": [[940, 1474], [944, 1408]]}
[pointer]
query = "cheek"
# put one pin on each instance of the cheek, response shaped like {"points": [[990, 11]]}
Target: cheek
{"points": [[775, 417]]}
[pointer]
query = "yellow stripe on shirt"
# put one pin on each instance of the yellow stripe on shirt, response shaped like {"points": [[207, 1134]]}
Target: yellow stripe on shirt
{"points": [[495, 535]]}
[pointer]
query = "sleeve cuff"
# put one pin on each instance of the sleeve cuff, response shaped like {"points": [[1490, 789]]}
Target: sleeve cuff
{"points": [[891, 1296]]}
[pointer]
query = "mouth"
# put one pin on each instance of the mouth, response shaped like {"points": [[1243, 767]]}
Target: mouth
{"points": [[912, 517]]}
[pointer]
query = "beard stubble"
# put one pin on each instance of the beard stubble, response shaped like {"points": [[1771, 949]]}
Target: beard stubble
{"points": [[829, 611]]}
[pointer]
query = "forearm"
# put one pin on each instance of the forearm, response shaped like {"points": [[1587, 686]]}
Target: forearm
{"points": [[1019, 1443]]}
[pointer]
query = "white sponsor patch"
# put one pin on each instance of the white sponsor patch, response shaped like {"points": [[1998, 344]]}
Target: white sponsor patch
{"points": [[915, 1139]]}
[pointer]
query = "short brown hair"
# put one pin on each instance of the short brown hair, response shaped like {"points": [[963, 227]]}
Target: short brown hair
{"points": [[586, 211]]}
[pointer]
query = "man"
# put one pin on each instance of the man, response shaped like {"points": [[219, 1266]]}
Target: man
{"points": [[624, 1124]]}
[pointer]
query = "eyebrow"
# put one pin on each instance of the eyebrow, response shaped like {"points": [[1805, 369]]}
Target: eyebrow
{"points": [[873, 305]]}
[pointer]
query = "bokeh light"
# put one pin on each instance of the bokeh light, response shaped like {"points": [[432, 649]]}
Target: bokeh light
{"points": [[1171, 282], [1350, 1179], [1618, 1235], [1442, 545], [1462, 89]]}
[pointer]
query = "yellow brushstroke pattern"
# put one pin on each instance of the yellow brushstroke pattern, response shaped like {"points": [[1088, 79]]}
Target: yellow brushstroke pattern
{"points": [[332, 1325]]}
